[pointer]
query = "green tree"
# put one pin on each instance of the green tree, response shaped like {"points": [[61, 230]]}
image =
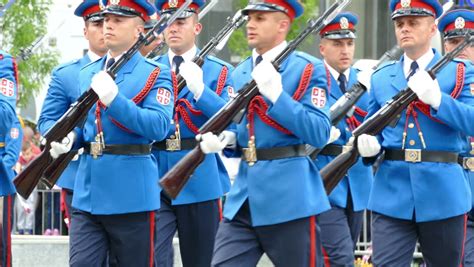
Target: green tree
{"points": [[238, 42], [23, 24]]}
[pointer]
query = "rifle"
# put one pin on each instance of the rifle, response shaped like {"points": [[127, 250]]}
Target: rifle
{"points": [[175, 179], [26, 181], [345, 103], [336, 169], [52, 173], [157, 50]]}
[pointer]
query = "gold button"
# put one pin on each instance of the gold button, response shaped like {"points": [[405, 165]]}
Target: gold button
{"points": [[411, 125], [412, 142]]}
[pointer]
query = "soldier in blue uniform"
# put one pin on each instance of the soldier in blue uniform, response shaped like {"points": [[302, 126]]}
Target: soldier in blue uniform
{"points": [[419, 192], [341, 226], [64, 88], [454, 25], [116, 192], [10, 145], [196, 212], [273, 203]]}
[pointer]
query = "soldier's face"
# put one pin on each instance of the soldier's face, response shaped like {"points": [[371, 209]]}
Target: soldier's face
{"points": [[414, 33], [181, 34], [467, 53], [265, 30], [120, 32], [338, 53], [93, 32]]}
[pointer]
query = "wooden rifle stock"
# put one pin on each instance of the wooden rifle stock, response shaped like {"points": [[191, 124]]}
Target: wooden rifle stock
{"points": [[171, 182], [346, 102], [27, 180], [56, 168], [337, 169]]}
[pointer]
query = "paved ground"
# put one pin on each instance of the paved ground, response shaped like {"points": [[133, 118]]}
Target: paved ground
{"points": [[53, 251]]}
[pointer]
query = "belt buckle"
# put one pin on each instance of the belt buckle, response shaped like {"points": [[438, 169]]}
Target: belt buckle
{"points": [[173, 144], [250, 155], [413, 155], [468, 163], [96, 149]]}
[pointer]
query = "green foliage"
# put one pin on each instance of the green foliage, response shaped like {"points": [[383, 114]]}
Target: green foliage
{"points": [[22, 24], [238, 42]]}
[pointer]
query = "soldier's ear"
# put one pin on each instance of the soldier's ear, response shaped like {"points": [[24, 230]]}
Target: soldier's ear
{"points": [[197, 28]]}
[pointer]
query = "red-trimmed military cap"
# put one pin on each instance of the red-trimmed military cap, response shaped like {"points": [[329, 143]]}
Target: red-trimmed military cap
{"points": [[401, 8], [292, 8], [170, 6], [128, 8], [457, 23], [89, 10], [341, 27]]}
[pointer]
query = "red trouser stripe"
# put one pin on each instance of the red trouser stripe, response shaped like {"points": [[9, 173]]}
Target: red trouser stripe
{"points": [[312, 241], [464, 240], [327, 263], [152, 238], [219, 204], [9, 231]]}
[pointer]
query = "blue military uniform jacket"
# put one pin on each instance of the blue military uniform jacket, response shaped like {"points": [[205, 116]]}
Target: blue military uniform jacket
{"points": [[63, 91], [10, 139], [359, 178], [286, 189], [426, 191], [210, 180], [116, 184]]}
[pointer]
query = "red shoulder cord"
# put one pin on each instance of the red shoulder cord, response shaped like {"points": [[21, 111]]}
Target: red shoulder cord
{"points": [[352, 121], [182, 105], [136, 99], [425, 109], [260, 107]]}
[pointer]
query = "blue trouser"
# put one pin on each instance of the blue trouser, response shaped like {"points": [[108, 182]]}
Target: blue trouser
{"points": [[340, 229], [6, 230], [469, 245], [196, 224], [294, 243], [129, 237], [394, 241]]}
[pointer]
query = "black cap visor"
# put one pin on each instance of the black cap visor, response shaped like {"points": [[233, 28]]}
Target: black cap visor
{"points": [[263, 7], [340, 34], [417, 12], [185, 14]]}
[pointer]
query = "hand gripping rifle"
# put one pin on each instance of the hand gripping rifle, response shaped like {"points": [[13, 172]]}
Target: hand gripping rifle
{"points": [[336, 169], [52, 173], [346, 102], [26, 181], [157, 50], [175, 179]]}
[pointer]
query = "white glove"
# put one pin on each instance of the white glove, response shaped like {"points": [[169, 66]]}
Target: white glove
{"points": [[426, 88], [211, 143], [364, 77], [368, 145], [104, 86], [192, 73], [59, 148], [334, 134], [268, 80]]}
